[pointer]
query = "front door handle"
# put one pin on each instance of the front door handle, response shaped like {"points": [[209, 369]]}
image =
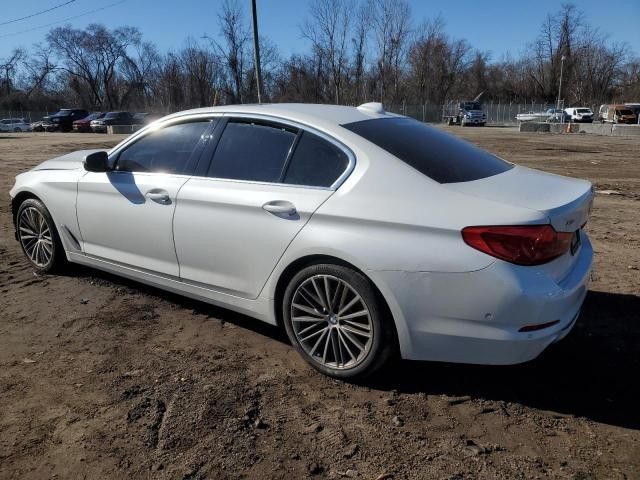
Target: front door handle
{"points": [[280, 207], [159, 196]]}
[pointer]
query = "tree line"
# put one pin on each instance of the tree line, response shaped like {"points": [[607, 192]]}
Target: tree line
{"points": [[361, 50]]}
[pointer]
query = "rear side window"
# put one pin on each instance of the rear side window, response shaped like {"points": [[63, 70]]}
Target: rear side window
{"points": [[438, 155], [168, 150], [252, 151], [315, 162]]}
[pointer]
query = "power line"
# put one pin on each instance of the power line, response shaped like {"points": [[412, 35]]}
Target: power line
{"points": [[37, 13], [64, 20]]}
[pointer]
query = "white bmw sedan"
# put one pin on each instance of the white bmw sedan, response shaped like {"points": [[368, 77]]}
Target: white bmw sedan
{"points": [[363, 234]]}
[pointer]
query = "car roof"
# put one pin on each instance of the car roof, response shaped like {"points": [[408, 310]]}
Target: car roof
{"points": [[328, 116]]}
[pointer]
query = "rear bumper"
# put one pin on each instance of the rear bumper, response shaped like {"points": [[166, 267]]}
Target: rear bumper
{"points": [[475, 317]]}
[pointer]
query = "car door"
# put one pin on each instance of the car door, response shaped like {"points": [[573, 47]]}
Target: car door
{"points": [[125, 215], [234, 221]]}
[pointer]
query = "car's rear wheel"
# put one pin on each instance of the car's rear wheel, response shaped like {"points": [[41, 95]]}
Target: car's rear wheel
{"points": [[335, 319], [38, 237]]}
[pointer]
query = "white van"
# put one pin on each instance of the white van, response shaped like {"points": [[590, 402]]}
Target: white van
{"points": [[579, 114]]}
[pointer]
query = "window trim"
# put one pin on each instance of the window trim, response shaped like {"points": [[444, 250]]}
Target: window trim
{"points": [[269, 119], [214, 137], [250, 120], [154, 126], [114, 156]]}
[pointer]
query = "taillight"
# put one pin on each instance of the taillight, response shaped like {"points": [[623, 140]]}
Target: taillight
{"points": [[522, 244]]}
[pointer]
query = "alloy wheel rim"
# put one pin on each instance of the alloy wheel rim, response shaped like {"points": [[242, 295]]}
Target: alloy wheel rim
{"points": [[35, 236], [331, 322]]}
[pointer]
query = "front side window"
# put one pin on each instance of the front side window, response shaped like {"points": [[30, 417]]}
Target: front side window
{"points": [[252, 151], [315, 162], [438, 155], [168, 150]]}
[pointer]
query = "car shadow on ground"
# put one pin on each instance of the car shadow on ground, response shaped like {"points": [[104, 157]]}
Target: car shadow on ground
{"points": [[592, 373]]}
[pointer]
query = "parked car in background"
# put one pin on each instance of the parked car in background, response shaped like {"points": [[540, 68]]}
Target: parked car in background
{"points": [[63, 120], [84, 124], [14, 125], [112, 118], [579, 114], [557, 115], [620, 114], [550, 115], [635, 108], [38, 126], [143, 118], [267, 210]]}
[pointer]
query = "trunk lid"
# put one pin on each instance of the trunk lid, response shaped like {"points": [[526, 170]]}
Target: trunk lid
{"points": [[567, 202]]}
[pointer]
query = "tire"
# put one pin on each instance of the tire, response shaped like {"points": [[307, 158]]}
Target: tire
{"points": [[481, 124], [34, 225], [16, 130], [344, 348]]}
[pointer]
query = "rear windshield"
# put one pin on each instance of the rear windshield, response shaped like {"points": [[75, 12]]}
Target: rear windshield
{"points": [[438, 155]]}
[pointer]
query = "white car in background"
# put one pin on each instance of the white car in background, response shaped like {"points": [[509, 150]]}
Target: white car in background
{"points": [[579, 114], [14, 125], [364, 234]]}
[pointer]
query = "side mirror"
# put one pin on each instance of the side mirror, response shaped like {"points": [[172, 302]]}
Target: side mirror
{"points": [[97, 162]]}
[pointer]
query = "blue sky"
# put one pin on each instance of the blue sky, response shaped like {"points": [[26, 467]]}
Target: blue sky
{"points": [[499, 26]]}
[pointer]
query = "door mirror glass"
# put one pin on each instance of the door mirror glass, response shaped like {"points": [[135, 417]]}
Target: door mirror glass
{"points": [[97, 162]]}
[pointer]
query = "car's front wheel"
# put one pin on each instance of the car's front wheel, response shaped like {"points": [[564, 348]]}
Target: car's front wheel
{"points": [[335, 319], [38, 236]]}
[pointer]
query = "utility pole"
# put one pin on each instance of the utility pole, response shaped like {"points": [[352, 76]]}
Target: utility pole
{"points": [[7, 67], [560, 89], [256, 50]]}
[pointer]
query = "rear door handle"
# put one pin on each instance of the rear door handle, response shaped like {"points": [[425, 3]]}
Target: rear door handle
{"points": [[280, 207], [159, 196]]}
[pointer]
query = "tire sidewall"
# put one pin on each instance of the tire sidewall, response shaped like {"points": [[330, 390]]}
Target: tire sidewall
{"points": [[378, 352]]}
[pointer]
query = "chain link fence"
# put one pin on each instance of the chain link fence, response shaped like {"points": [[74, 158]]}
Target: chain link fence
{"points": [[28, 116], [497, 113]]}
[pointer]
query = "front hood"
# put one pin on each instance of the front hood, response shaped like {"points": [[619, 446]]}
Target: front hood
{"points": [[566, 201], [70, 161]]}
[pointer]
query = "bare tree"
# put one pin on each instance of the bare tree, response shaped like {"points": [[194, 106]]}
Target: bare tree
{"points": [[233, 49], [391, 21], [9, 66], [91, 57], [359, 45], [327, 29], [437, 62]]}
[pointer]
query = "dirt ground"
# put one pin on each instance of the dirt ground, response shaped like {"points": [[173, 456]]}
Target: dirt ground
{"points": [[105, 378]]}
